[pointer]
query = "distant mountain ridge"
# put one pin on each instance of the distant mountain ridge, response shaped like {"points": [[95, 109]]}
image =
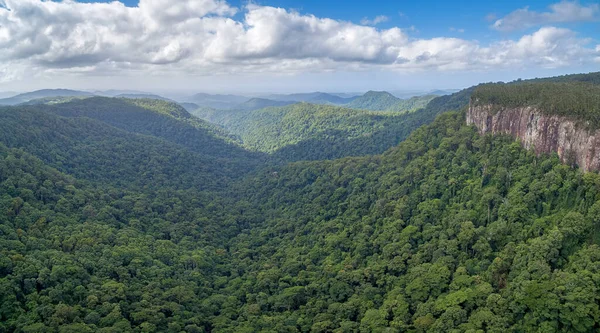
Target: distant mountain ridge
{"points": [[44, 93], [374, 101], [261, 103]]}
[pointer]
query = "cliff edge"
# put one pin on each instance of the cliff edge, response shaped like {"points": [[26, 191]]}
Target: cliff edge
{"points": [[572, 140]]}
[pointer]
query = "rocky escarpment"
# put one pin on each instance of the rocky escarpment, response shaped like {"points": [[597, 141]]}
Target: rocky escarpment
{"points": [[574, 142]]}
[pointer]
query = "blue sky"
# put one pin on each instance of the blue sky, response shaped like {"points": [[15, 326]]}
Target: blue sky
{"points": [[285, 45]]}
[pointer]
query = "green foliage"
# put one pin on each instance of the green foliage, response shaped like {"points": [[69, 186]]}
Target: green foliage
{"points": [[375, 101], [570, 99], [106, 229], [412, 104], [306, 131], [93, 150]]}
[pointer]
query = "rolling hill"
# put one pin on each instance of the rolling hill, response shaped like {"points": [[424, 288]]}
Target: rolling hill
{"points": [[216, 101], [260, 103], [45, 93], [305, 131], [375, 101]]}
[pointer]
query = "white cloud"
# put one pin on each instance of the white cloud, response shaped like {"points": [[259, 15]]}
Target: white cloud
{"points": [[201, 37], [375, 21], [453, 29], [562, 12]]}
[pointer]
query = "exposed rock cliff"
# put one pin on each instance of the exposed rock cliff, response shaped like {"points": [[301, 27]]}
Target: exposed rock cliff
{"points": [[573, 142]]}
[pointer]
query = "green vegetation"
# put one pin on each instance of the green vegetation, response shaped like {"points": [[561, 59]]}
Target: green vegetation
{"points": [[260, 103], [306, 131], [111, 221], [163, 119], [41, 94], [448, 231], [375, 101], [593, 78], [570, 99], [93, 150], [412, 104]]}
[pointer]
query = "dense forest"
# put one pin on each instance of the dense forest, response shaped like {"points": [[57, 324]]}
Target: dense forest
{"points": [[306, 131], [122, 215]]}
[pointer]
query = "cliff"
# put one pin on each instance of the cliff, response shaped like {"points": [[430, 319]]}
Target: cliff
{"points": [[543, 133]]}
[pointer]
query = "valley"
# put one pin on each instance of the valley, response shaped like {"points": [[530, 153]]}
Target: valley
{"points": [[137, 214]]}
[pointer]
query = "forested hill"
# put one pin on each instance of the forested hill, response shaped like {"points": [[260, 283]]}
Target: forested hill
{"points": [[150, 150], [163, 119], [307, 131], [375, 101]]}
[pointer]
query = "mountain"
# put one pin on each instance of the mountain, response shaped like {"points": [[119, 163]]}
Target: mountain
{"points": [[314, 97], [53, 100], [301, 97], [189, 106], [323, 98], [412, 104], [45, 93], [305, 131], [116, 92], [375, 101], [119, 138], [260, 103], [440, 92], [161, 119], [143, 96], [216, 101]]}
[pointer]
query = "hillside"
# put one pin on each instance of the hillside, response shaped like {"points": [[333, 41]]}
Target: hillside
{"points": [[143, 96], [148, 148], [260, 103], [162, 119], [307, 131], [375, 101], [45, 93], [121, 215], [324, 98], [216, 101], [449, 230], [412, 104]]}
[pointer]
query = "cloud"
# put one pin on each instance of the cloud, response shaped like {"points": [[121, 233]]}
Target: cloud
{"points": [[203, 37], [375, 21], [562, 12]]}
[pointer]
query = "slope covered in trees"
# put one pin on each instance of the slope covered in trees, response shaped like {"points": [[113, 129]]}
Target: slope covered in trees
{"points": [[306, 131], [45, 93], [375, 101], [106, 229], [94, 150], [163, 119], [449, 231]]}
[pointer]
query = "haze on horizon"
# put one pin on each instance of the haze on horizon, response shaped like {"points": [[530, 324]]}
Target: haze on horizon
{"points": [[272, 46]]}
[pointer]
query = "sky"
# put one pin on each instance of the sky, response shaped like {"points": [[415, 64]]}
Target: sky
{"points": [[237, 46]]}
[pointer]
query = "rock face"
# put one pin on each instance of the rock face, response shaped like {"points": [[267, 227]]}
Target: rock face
{"points": [[542, 133]]}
